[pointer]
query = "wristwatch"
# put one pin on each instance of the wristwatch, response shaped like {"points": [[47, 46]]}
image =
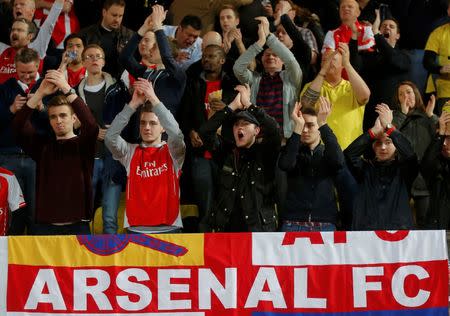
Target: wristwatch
{"points": [[71, 91]]}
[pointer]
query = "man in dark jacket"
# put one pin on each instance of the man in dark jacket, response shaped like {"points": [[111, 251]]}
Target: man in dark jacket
{"points": [[435, 168], [382, 202], [167, 77], [384, 68], [110, 34], [206, 93], [244, 200], [311, 166], [14, 93]]}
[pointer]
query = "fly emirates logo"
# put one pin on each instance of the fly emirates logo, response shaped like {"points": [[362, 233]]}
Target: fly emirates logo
{"points": [[151, 169], [8, 69]]}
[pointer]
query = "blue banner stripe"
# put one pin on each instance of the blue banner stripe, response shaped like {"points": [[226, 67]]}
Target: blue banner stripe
{"points": [[442, 311]]}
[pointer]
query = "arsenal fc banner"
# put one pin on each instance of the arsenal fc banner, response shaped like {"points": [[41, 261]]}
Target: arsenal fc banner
{"points": [[256, 274]]}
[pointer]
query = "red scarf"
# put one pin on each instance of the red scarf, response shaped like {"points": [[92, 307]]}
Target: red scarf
{"points": [[343, 34], [67, 23]]}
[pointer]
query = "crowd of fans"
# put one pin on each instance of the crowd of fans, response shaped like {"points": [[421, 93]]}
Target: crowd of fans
{"points": [[289, 115]]}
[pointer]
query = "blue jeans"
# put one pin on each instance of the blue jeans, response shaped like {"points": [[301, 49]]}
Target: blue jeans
{"points": [[24, 169], [291, 227], [110, 197], [204, 173], [80, 228]]}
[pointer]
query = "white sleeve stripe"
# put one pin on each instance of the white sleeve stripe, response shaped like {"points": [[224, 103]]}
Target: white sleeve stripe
{"points": [[15, 196]]}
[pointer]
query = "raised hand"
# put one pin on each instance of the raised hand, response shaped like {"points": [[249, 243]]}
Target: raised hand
{"points": [[444, 120], [235, 34], [327, 63], [263, 30], [298, 119], [376, 23], [284, 7], [145, 87], [146, 26], [324, 111], [377, 129], [345, 52], [158, 16], [57, 78], [236, 103], [45, 88], [227, 40], [384, 114], [244, 92], [138, 98]]}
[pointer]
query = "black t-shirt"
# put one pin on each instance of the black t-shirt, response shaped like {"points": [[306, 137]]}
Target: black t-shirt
{"points": [[95, 101]]}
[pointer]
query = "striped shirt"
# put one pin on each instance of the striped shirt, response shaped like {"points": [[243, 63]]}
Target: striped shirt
{"points": [[270, 96]]}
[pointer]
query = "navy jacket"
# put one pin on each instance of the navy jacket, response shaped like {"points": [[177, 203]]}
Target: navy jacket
{"points": [[310, 195], [169, 83], [382, 202], [8, 92]]}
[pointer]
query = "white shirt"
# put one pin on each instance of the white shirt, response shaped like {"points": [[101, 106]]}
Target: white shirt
{"points": [[194, 51]]}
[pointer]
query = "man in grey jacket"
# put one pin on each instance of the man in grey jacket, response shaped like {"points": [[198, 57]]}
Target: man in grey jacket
{"points": [[275, 90]]}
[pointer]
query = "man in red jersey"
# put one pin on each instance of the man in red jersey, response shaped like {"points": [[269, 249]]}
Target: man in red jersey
{"points": [[153, 166]]}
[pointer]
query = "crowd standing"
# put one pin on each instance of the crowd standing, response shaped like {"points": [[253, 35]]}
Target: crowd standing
{"points": [[280, 115]]}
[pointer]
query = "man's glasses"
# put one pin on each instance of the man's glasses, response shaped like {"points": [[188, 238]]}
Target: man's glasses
{"points": [[93, 57]]}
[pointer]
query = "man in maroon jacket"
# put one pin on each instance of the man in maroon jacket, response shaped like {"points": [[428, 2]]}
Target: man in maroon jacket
{"points": [[64, 161]]}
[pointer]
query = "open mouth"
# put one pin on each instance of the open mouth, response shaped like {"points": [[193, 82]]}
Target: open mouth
{"points": [[240, 135]]}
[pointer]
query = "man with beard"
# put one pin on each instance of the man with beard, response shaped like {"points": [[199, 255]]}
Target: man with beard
{"points": [[109, 34], [205, 94], [23, 32]]}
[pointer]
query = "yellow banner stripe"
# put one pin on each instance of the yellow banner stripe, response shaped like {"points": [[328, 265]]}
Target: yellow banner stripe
{"points": [[68, 252]]}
